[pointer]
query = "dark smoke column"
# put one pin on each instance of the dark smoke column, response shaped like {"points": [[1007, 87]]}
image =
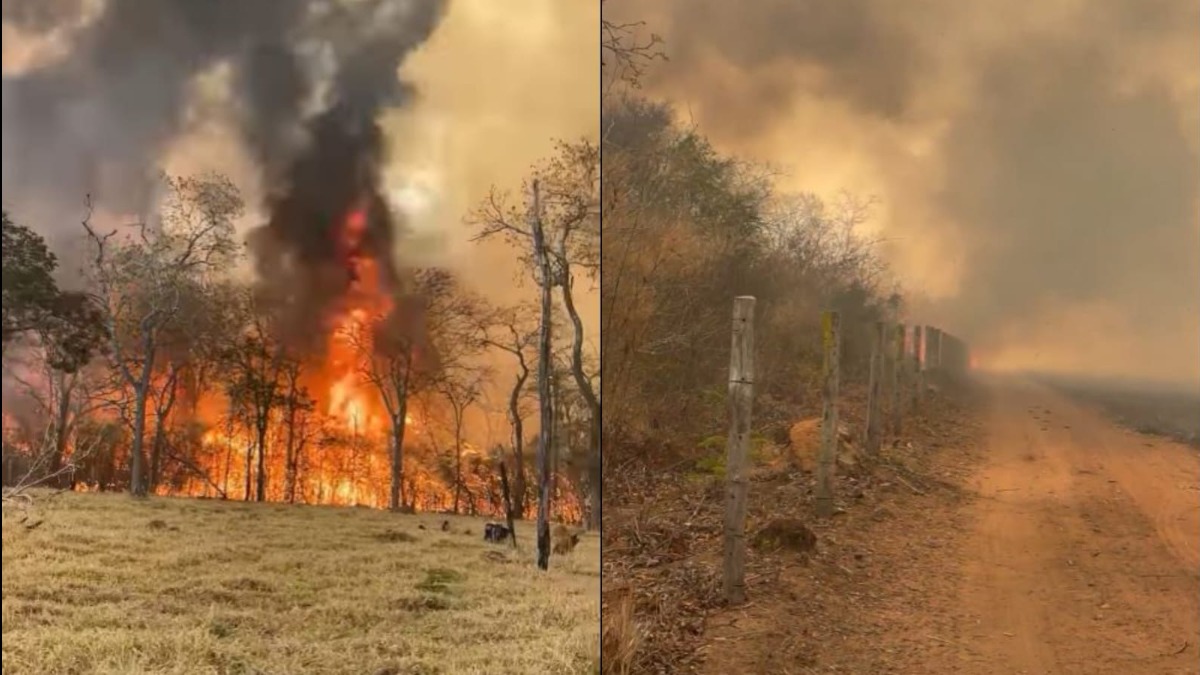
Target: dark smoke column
{"points": [[299, 252], [310, 79]]}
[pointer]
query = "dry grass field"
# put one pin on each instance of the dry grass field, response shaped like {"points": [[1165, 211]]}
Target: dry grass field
{"points": [[109, 585]]}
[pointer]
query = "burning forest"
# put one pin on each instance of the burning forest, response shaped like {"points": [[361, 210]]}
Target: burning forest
{"points": [[333, 372]]}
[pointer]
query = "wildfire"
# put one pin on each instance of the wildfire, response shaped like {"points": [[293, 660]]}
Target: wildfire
{"points": [[354, 470], [336, 452], [351, 339]]}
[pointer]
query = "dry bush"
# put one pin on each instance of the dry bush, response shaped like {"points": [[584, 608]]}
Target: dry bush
{"points": [[686, 230], [620, 642], [42, 466]]}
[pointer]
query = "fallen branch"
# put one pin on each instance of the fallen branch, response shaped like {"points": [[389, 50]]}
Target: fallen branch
{"points": [[910, 486]]}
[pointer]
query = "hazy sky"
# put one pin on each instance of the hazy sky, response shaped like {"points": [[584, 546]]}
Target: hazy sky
{"points": [[1038, 164], [493, 86]]}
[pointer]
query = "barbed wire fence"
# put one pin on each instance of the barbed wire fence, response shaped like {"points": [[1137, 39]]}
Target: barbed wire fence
{"points": [[904, 362]]}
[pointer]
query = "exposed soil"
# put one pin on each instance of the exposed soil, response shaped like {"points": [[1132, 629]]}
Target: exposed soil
{"points": [[1019, 533]]}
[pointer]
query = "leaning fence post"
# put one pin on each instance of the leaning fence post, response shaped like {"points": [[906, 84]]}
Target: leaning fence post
{"points": [[875, 388], [741, 395], [897, 364], [831, 339]]}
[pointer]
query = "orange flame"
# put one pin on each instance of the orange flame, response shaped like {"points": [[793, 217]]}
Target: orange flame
{"points": [[341, 451]]}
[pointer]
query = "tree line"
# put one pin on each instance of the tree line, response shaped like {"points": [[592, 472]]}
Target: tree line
{"points": [[170, 373], [686, 228]]}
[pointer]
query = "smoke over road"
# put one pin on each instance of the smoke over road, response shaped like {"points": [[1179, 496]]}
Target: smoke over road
{"points": [[1039, 166], [304, 82]]}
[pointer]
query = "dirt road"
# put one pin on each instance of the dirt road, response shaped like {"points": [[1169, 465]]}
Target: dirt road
{"points": [[1084, 555]]}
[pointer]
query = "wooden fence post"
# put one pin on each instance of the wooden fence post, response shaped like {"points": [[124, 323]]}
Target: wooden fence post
{"points": [[741, 396], [831, 339], [918, 375], [875, 388], [897, 365]]}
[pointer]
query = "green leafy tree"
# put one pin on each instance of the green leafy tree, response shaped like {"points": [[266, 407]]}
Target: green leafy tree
{"points": [[68, 325]]}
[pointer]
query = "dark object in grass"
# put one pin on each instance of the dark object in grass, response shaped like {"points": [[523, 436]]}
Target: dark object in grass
{"points": [[445, 526], [495, 532]]}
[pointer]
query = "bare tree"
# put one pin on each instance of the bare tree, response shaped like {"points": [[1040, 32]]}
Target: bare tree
{"points": [[138, 281], [545, 344], [400, 356], [62, 399], [298, 406], [515, 330], [570, 207], [37, 471], [461, 392], [624, 52], [572, 191], [257, 365]]}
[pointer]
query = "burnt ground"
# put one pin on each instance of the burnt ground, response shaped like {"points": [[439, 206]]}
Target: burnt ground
{"points": [[663, 546], [1011, 529], [1171, 412]]}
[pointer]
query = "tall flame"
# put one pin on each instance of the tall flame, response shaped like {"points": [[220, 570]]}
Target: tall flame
{"points": [[350, 341], [339, 449]]}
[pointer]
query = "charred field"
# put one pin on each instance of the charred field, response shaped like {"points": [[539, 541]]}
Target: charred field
{"points": [[102, 583], [1169, 411]]}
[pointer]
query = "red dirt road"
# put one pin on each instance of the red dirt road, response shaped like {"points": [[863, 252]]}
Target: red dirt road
{"points": [[1084, 555]]}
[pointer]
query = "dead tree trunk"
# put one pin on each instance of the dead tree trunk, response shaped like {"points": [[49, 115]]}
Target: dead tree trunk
{"points": [[508, 504], [396, 494], [546, 282], [518, 426], [595, 458]]}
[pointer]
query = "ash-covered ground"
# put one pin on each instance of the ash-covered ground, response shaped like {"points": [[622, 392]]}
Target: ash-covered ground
{"points": [[1151, 408]]}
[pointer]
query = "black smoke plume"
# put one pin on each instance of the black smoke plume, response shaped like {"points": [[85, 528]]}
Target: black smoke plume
{"points": [[309, 78]]}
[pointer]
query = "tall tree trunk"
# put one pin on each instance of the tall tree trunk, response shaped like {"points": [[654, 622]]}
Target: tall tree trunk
{"points": [[556, 437], [296, 456], [546, 281], [396, 497], [155, 455], [458, 415], [595, 436], [289, 478], [162, 409], [249, 470], [137, 483], [228, 453], [62, 432], [596, 475], [141, 391], [261, 485], [518, 426]]}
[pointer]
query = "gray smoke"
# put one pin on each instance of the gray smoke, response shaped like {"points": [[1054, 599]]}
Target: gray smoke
{"points": [[1060, 160], [310, 77]]}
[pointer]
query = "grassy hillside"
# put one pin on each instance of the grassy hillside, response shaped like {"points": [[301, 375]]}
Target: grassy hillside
{"points": [[109, 585]]}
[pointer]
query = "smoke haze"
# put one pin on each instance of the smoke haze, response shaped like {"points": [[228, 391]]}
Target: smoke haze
{"points": [[481, 91], [1039, 167]]}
